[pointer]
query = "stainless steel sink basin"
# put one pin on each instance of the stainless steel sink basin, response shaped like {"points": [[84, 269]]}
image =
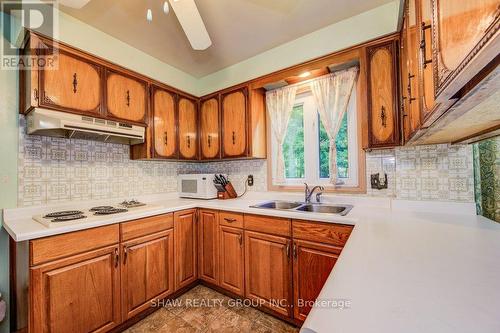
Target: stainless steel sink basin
{"points": [[278, 205], [322, 208], [305, 207]]}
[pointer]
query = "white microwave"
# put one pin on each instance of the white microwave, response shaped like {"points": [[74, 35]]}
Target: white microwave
{"points": [[197, 186]]}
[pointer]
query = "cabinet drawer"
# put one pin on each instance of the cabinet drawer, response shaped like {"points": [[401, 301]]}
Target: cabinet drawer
{"points": [[146, 226], [231, 219], [61, 246], [269, 225], [335, 234]]}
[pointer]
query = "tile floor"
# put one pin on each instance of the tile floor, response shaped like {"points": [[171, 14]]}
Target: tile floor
{"points": [[215, 315]]}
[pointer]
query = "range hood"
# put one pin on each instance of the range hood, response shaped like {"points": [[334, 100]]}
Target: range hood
{"points": [[66, 125]]}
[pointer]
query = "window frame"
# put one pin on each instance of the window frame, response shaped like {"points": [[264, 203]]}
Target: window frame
{"points": [[357, 183]]}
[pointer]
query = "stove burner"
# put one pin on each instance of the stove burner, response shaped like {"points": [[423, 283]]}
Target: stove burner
{"points": [[132, 203], [68, 218], [64, 213], [109, 211], [98, 208]]}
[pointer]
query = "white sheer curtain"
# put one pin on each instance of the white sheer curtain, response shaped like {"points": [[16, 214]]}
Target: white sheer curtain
{"points": [[331, 94], [279, 104]]}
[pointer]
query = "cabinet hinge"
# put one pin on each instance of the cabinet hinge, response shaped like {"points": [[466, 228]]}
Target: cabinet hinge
{"points": [[35, 94]]}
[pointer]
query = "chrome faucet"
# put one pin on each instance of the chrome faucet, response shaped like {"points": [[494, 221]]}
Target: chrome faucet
{"points": [[308, 193]]}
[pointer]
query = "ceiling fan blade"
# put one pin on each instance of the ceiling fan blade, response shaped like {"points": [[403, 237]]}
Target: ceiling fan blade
{"points": [[190, 19], [77, 4]]}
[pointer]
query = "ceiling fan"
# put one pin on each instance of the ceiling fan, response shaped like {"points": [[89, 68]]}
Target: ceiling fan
{"points": [[187, 13]]}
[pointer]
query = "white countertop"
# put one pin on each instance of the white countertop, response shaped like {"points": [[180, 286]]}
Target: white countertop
{"points": [[407, 266]]}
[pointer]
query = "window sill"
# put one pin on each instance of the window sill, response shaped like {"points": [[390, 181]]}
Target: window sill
{"points": [[360, 189]]}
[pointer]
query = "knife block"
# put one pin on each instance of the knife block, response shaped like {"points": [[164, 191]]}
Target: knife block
{"points": [[230, 193]]}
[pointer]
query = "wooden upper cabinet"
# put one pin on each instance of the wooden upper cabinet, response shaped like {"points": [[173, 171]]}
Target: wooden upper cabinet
{"points": [[234, 123], [209, 128], [74, 85], [188, 129], [185, 235], [164, 123], [465, 39], [208, 246], [147, 271], [126, 97], [412, 88], [268, 271], [312, 265], [78, 294], [232, 260], [383, 110]]}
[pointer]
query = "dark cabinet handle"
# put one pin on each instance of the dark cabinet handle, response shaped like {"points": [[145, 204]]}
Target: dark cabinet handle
{"points": [[229, 220], [240, 239], [423, 43], [383, 116], [117, 257], [189, 141], [166, 138], [295, 251], [75, 83], [209, 141], [124, 255], [410, 99], [234, 138], [128, 97], [288, 249]]}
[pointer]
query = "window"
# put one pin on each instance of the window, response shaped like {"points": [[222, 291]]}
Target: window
{"points": [[306, 146]]}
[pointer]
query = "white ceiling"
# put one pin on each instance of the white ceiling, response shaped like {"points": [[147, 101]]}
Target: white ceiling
{"points": [[239, 29]]}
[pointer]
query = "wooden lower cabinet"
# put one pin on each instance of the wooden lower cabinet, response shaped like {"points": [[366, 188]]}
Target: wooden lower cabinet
{"points": [[232, 260], [147, 271], [185, 249], [208, 240], [312, 265], [268, 271], [77, 294]]}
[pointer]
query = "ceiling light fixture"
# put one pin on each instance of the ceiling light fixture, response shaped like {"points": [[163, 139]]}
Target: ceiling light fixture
{"points": [[149, 15], [166, 8], [305, 74]]}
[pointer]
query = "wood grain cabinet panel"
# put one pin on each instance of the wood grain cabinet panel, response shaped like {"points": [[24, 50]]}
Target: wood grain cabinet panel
{"points": [[147, 271], [126, 97], [185, 256], [79, 294], [208, 246], [234, 123], [232, 260], [383, 110], [268, 271], [334, 234], [413, 89], [74, 85], [188, 129], [465, 39], [312, 265], [209, 128], [164, 123]]}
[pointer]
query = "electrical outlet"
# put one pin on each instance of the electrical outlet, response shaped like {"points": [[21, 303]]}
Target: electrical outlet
{"points": [[250, 180]]}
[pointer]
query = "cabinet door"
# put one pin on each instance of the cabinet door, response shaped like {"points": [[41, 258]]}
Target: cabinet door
{"points": [[234, 123], [310, 260], [209, 128], [208, 245], [383, 111], [188, 129], [75, 85], [403, 63], [427, 100], [185, 248], [412, 40], [79, 294], [231, 260], [465, 39], [126, 98], [164, 123], [268, 271], [147, 271]]}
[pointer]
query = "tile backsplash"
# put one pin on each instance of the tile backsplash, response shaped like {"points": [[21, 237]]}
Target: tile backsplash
{"points": [[55, 170]]}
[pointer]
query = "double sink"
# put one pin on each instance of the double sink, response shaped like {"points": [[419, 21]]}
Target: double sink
{"points": [[341, 210]]}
